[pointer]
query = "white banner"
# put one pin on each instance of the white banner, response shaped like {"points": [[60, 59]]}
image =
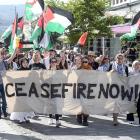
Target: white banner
{"points": [[70, 92]]}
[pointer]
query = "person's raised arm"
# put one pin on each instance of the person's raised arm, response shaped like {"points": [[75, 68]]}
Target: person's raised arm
{"points": [[9, 60]]}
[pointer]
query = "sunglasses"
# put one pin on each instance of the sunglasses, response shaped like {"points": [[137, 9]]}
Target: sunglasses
{"points": [[85, 61], [54, 62]]}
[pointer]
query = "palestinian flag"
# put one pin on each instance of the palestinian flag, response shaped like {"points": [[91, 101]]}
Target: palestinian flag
{"points": [[39, 36], [53, 20], [46, 42], [131, 36], [57, 20], [82, 39], [38, 29], [7, 33], [33, 9], [6, 36], [136, 18], [20, 25], [17, 28]]}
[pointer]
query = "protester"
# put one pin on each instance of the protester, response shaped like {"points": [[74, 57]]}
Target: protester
{"points": [[22, 117], [92, 62], [135, 68], [36, 54], [58, 58], [70, 59], [53, 66], [77, 63], [30, 55], [77, 66], [24, 64], [104, 66], [63, 63], [46, 59], [135, 71], [52, 53], [14, 64], [132, 54], [36, 62], [3, 67], [82, 118], [119, 67]]}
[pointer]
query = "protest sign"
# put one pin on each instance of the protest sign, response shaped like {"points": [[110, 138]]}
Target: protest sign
{"points": [[70, 92]]}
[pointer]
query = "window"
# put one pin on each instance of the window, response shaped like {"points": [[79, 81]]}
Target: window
{"points": [[117, 1], [113, 2]]}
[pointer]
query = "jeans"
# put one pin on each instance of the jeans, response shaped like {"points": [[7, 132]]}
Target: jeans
{"points": [[2, 94]]}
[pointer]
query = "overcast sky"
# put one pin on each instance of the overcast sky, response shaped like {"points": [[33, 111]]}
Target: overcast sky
{"points": [[10, 2]]}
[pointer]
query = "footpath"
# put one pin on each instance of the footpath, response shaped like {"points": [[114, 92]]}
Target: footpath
{"points": [[100, 128]]}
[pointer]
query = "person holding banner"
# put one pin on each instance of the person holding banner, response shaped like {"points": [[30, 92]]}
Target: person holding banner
{"points": [[54, 66], [36, 62], [36, 54], [22, 117], [135, 68], [63, 63], [119, 67], [82, 118], [104, 66], [77, 63], [3, 67], [135, 71]]}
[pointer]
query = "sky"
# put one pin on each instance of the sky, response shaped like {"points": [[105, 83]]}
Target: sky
{"points": [[10, 2], [13, 2]]}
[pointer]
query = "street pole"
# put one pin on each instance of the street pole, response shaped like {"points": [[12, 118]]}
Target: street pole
{"points": [[103, 46]]}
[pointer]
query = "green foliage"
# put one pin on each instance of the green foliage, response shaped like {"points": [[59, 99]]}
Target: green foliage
{"points": [[54, 3], [89, 16]]}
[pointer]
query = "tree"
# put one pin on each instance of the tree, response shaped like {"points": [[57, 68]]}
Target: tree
{"points": [[55, 3], [89, 16]]}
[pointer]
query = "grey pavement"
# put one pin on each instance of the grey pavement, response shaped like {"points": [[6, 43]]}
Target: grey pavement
{"points": [[100, 128]]}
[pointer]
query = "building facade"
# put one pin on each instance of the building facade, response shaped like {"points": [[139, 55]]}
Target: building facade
{"points": [[127, 8]]}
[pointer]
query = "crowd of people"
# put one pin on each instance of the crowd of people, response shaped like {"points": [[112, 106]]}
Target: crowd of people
{"points": [[51, 60]]}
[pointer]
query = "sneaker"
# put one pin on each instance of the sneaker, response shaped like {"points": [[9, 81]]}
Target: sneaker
{"points": [[115, 123], [50, 121], [5, 114], [27, 121], [79, 119], [58, 123], [131, 122], [21, 122]]}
